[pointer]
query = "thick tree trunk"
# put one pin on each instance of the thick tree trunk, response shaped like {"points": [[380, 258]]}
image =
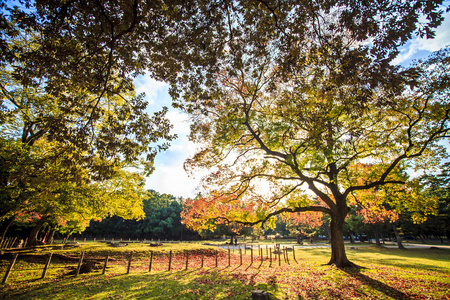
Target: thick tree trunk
{"points": [[377, 238], [421, 239], [397, 237], [49, 239], [32, 239], [352, 240], [338, 255]]}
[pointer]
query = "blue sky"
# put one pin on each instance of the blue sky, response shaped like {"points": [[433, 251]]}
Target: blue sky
{"points": [[169, 176]]}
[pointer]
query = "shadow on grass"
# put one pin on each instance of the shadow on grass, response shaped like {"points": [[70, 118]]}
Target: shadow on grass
{"points": [[191, 284], [375, 284], [426, 259]]}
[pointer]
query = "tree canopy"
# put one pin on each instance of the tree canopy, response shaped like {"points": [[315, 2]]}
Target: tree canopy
{"points": [[284, 95], [71, 121]]}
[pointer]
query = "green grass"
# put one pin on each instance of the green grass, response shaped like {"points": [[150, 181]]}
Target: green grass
{"points": [[385, 274]]}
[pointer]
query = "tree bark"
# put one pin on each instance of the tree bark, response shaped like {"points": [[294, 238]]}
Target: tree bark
{"points": [[397, 237], [32, 239], [338, 255], [50, 234], [377, 238], [352, 240]]}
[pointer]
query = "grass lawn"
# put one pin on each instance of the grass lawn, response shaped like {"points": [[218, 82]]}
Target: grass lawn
{"points": [[385, 274]]}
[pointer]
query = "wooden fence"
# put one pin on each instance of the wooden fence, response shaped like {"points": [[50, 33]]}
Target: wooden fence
{"points": [[170, 261]]}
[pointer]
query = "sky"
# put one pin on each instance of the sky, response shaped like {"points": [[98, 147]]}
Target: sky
{"points": [[169, 176]]}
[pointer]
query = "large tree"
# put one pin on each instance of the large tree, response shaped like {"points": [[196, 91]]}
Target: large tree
{"points": [[303, 109]]}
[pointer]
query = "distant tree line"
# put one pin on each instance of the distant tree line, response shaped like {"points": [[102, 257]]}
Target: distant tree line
{"points": [[162, 221]]}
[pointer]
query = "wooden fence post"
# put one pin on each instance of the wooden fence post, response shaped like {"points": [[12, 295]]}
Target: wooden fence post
{"points": [[251, 256], [270, 259], [46, 265], [105, 264], [79, 264], [203, 256], [151, 260], [11, 265], [293, 254], [170, 259], [229, 258], [187, 259], [129, 263], [240, 254], [287, 256]]}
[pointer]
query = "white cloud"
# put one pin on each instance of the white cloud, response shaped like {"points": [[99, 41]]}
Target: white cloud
{"points": [[179, 121], [417, 45], [149, 86], [169, 176], [172, 180]]}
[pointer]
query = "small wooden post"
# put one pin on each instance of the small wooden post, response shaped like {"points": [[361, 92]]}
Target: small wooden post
{"points": [[203, 257], [80, 262], [129, 263], [245, 249], [151, 260], [287, 256], [13, 242], [46, 265], [187, 259], [11, 265], [25, 243], [84, 240], [170, 259], [240, 254], [251, 256], [270, 259], [293, 254], [229, 258], [267, 251], [105, 264], [5, 244]]}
